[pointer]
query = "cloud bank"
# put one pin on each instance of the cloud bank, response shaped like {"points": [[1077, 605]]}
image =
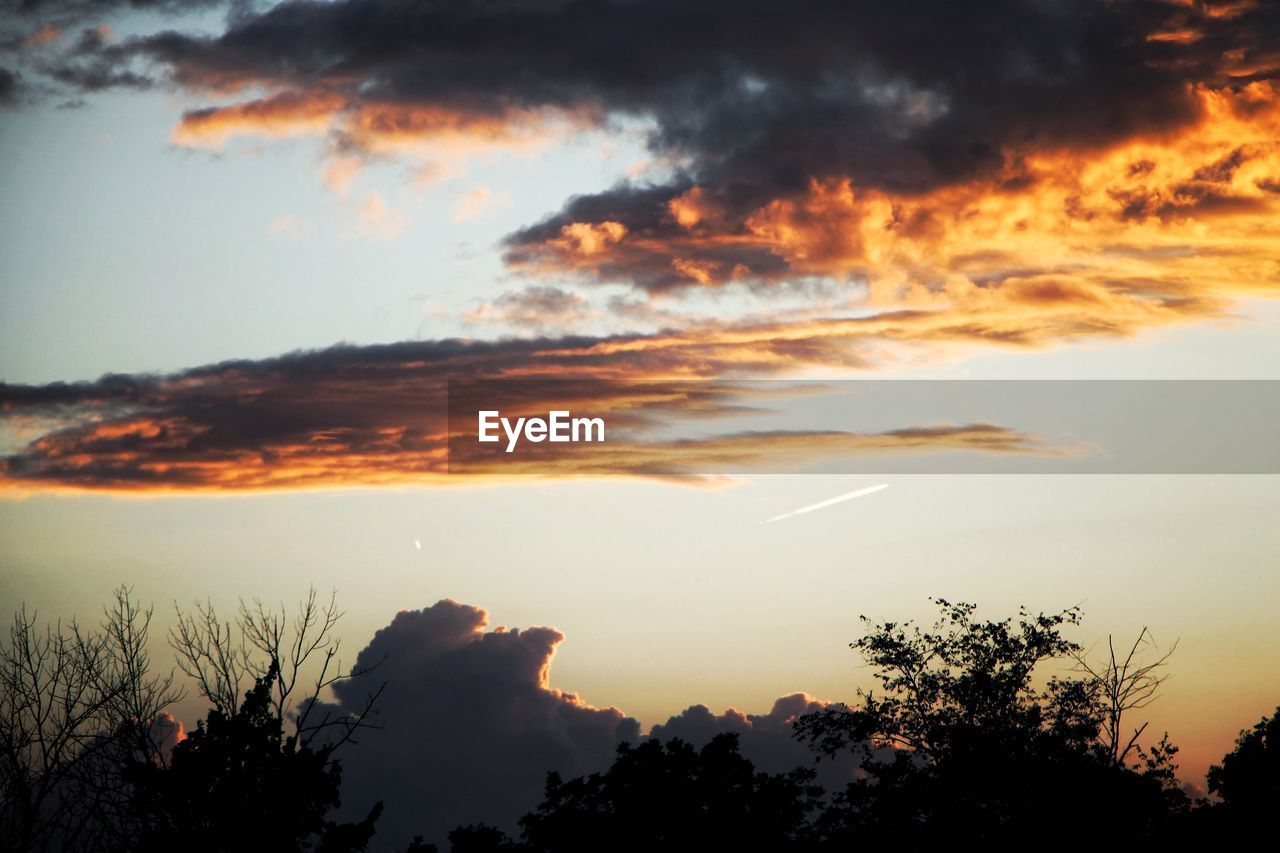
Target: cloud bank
{"points": [[378, 415], [924, 176], [1110, 163], [472, 725]]}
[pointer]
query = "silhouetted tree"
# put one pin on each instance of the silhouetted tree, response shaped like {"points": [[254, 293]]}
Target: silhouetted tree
{"points": [[238, 782], [77, 707], [300, 652], [1248, 779], [960, 739], [479, 838], [87, 755], [669, 797], [674, 797], [1123, 683]]}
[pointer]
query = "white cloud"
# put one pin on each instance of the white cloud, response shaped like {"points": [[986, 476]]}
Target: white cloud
{"points": [[478, 202], [377, 218]]}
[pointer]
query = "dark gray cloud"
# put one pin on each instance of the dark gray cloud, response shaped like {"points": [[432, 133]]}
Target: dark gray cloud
{"points": [[44, 11], [755, 95], [537, 308], [472, 725], [8, 87], [759, 96], [751, 101], [766, 739]]}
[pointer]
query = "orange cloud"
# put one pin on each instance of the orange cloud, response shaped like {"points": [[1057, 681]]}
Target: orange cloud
{"points": [[703, 272], [1068, 241], [283, 114], [692, 208], [376, 128], [378, 416], [45, 35], [585, 239], [756, 451], [340, 171]]}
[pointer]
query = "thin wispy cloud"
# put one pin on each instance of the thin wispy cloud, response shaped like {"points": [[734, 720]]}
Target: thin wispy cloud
{"points": [[476, 203], [377, 218]]}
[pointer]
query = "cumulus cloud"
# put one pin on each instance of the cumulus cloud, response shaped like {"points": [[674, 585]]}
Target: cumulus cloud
{"points": [[766, 739], [472, 725]]}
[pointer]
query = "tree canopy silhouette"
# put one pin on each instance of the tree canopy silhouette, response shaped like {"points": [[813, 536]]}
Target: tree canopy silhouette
{"points": [[960, 737], [965, 736], [90, 759], [239, 782], [1248, 779], [665, 796]]}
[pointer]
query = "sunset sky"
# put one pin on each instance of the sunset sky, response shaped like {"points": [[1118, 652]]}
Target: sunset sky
{"points": [[199, 200]]}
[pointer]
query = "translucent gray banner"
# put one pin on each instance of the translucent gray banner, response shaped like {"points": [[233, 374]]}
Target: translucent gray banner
{"points": [[677, 428]]}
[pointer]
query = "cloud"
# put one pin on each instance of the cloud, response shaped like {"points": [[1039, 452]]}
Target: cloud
{"points": [[45, 35], [340, 171], [8, 87], [290, 226], [284, 114], [904, 97], [379, 219], [92, 61], [1111, 163], [752, 99], [766, 739], [377, 415], [476, 203], [166, 732], [764, 451], [1185, 214], [472, 725], [539, 308]]}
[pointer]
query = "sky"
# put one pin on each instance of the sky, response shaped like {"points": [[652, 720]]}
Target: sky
{"points": [[243, 246]]}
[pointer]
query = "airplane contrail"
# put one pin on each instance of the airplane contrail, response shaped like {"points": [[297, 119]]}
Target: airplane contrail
{"points": [[838, 499]]}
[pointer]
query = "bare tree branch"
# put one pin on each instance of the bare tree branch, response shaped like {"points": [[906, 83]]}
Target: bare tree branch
{"points": [[1124, 683], [301, 649]]}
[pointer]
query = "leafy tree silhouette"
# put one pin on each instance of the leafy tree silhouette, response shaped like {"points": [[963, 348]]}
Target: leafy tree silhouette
{"points": [[1248, 779], [669, 797], [478, 838], [237, 783], [959, 739]]}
